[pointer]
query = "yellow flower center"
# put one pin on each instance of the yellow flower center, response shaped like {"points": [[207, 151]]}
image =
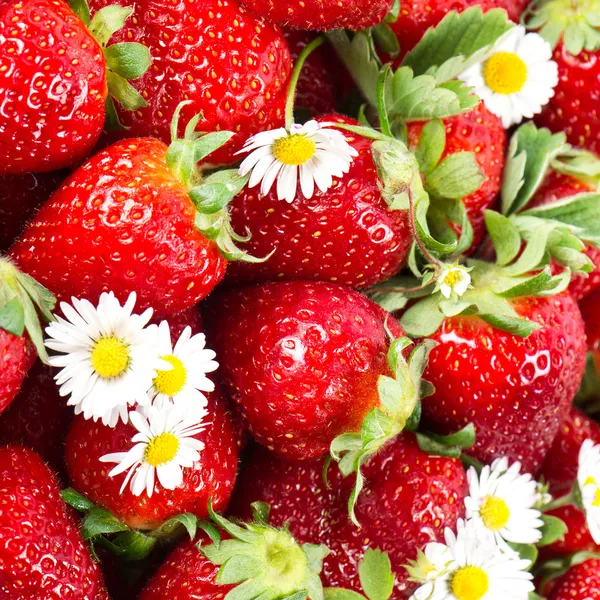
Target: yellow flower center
{"points": [[110, 357], [171, 382], [452, 278], [591, 481], [294, 149], [470, 583], [505, 73], [495, 513], [161, 449]]}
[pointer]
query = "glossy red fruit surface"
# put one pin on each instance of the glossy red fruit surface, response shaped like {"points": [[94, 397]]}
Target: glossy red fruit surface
{"points": [[574, 107], [481, 132], [17, 356], [231, 65], [515, 391], [408, 500], [323, 15], [122, 222], [345, 235], [212, 477], [52, 85], [591, 316], [42, 554], [581, 582], [301, 360]]}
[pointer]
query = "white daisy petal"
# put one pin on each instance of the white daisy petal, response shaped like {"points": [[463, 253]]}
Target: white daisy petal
{"points": [[588, 480]]}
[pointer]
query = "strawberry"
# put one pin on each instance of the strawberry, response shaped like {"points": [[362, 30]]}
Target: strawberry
{"points": [[408, 500], [301, 360], [322, 15], [580, 582], [212, 477], [38, 418], [20, 196], [229, 65], [589, 312], [480, 132], [54, 81], [124, 222], [346, 234], [42, 554]]}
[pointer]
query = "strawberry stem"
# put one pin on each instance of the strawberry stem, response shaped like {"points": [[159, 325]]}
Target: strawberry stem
{"points": [[291, 97]]}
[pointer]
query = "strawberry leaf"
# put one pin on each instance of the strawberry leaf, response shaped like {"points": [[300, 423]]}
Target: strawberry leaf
{"points": [[123, 92], [128, 60], [100, 521], [107, 21], [81, 9], [505, 237], [132, 545], [375, 573], [457, 176], [553, 530], [432, 143], [450, 446], [77, 500]]}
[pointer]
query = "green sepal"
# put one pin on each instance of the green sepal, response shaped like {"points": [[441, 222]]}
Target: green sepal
{"points": [[81, 9], [129, 60], [450, 446], [432, 143], [557, 567], [442, 214], [399, 395], [579, 163], [100, 521], [457, 42], [123, 92], [261, 512], [516, 326], [23, 303], [386, 39], [341, 594], [526, 552], [112, 121], [588, 395], [457, 176], [76, 500], [504, 235], [375, 574], [553, 530], [393, 13], [107, 21]]}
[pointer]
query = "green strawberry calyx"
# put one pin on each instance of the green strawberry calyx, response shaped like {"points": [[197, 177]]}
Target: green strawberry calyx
{"points": [[576, 23], [557, 567], [263, 561], [124, 61], [23, 301], [210, 192]]}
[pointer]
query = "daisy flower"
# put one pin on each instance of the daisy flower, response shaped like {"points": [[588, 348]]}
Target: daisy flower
{"points": [[313, 152], [454, 281], [107, 355], [501, 501], [164, 445], [479, 570], [518, 78], [183, 379], [588, 480]]}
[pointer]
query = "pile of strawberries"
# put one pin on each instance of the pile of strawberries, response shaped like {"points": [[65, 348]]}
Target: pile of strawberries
{"points": [[299, 299]]}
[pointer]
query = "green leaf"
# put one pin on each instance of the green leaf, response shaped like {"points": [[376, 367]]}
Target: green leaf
{"points": [[123, 92], [99, 521], [457, 42], [375, 573], [526, 552], [505, 237], [134, 545], [129, 60], [386, 39], [81, 9], [341, 594], [519, 327], [112, 122], [12, 317], [260, 512], [188, 520], [432, 143], [531, 286], [77, 500], [457, 176], [450, 446], [554, 529], [423, 318], [107, 21], [530, 153]]}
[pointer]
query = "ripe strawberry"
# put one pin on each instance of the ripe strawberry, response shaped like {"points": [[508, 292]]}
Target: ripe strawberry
{"points": [[54, 82], [231, 66], [346, 234], [301, 360], [20, 196], [38, 418], [123, 222], [514, 390], [581, 582], [408, 500], [589, 312], [212, 477], [42, 554], [481, 132], [322, 15]]}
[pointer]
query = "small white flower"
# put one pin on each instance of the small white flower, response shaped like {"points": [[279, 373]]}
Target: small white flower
{"points": [[501, 500], [588, 479], [183, 378], [108, 357], [518, 79], [479, 570], [164, 444], [314, 152], [454, 281], [542, 496]]}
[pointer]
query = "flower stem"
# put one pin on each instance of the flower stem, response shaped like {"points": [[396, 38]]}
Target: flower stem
{"points": [[289, 105], [562, 501]]}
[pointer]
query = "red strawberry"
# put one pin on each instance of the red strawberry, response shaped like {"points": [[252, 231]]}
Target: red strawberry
{"points": [[589, 311], [581, 582], [323, 15], [38, 418], [212, 477], [42, 554], [231, 66], [20, 196], [408, 500], [514, 390], [346, 234], [481, 132], [301, 360], [560, 471], [123, 222]]}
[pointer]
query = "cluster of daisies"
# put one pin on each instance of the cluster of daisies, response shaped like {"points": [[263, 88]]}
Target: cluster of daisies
{"points": [[504, 511], [116, 366]]}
